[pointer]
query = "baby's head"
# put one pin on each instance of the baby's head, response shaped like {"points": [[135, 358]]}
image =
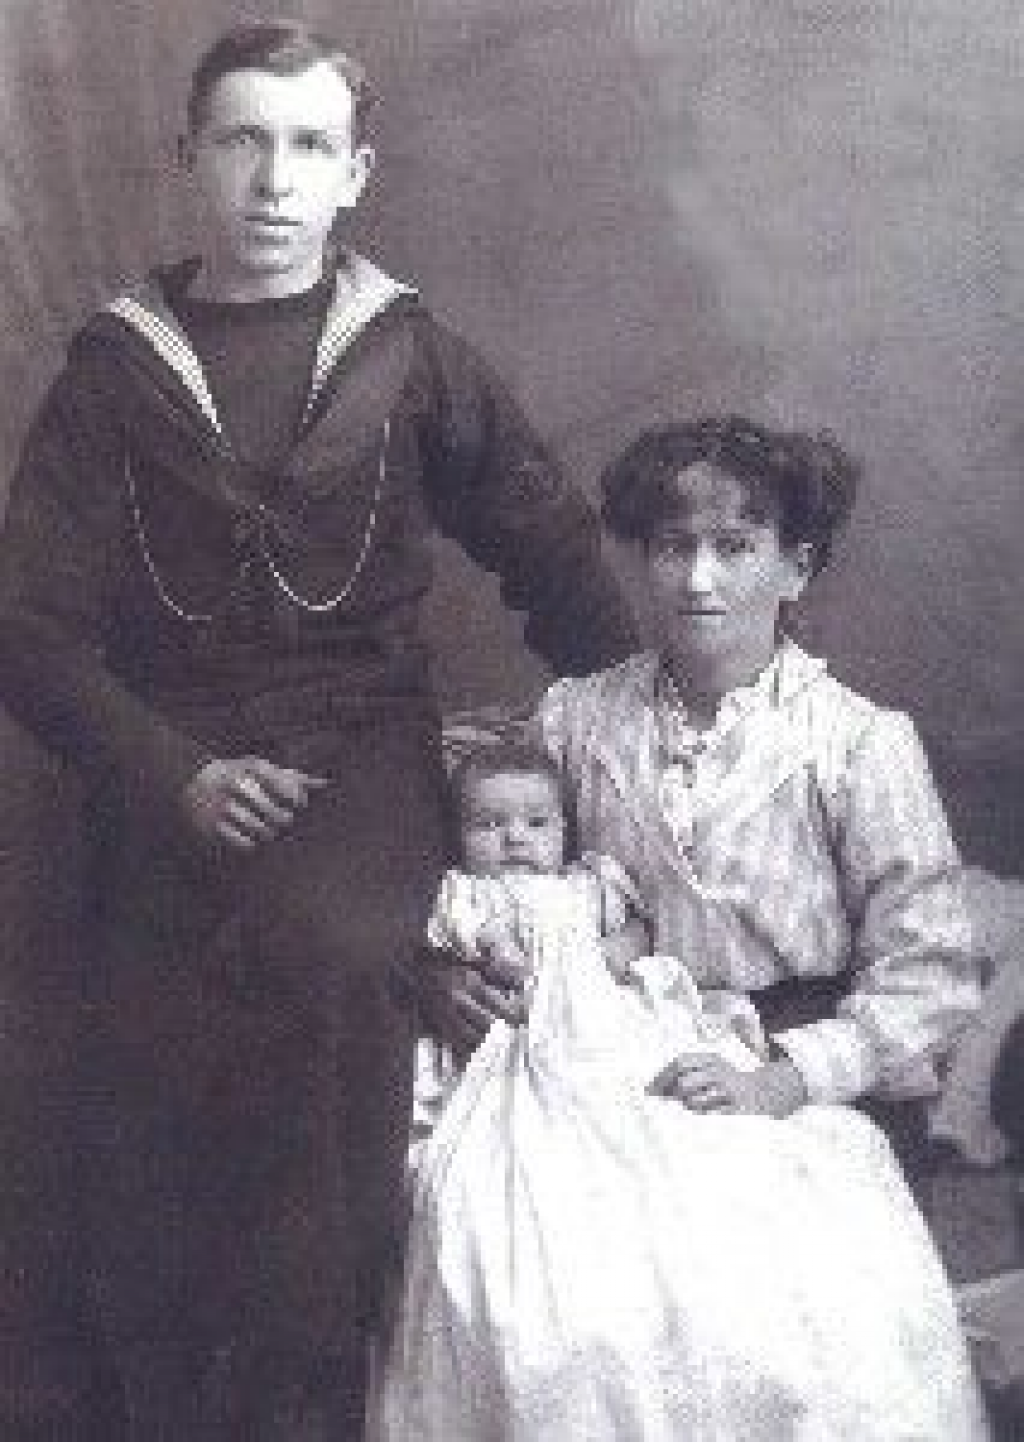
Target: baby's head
{"points": [[509, 809]]}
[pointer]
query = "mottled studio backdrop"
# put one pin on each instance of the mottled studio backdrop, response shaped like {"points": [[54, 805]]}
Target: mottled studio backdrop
{"points": [[810, 210]]}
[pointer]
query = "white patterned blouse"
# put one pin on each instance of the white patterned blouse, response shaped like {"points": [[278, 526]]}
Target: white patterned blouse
{"points": [[800, 837]]}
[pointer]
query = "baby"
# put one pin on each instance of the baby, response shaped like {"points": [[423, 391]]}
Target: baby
{"points": [[517, 895]]}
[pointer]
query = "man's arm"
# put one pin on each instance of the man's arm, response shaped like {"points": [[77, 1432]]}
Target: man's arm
{"points": [[59, 553], [500, 493]]}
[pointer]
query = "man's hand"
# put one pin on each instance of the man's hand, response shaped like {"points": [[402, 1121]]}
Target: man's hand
{"points": [[246, 800], [706, 1083]]}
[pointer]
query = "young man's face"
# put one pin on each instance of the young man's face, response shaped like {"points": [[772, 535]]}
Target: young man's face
{"points": [[512, 822], [274, 163]]}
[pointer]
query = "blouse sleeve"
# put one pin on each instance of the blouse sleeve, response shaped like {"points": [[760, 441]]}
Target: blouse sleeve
{"points": [[498, 492], [59, 554], [916, 966]]}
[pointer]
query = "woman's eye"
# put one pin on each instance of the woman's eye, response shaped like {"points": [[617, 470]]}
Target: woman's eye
{"points": [[676, 550], [735, 545]]}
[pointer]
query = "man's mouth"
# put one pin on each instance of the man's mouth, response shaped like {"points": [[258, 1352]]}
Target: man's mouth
{"points": [[271, 222]]}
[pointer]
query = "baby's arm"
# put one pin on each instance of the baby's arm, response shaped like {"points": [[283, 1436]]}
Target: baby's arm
{"points": [[623, 948], [625, 936], [739, 1014]]}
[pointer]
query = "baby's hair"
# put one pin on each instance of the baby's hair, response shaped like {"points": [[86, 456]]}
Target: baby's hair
{"points": [[805, 485], [507, 758], [280, 47]]}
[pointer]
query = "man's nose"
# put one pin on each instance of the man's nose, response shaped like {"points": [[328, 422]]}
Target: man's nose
{"points": [[273, 178]]}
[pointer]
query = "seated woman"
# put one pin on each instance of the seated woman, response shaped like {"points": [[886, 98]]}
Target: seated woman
{"points": [[785, 830], [723, 1252]]}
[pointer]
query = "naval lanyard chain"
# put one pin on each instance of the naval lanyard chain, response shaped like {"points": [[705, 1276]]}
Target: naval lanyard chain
{"points": [[264, 523]]}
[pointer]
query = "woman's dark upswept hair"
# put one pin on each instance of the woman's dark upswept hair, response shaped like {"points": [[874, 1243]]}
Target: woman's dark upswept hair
{"points": [[805, 484], [280, 47]]}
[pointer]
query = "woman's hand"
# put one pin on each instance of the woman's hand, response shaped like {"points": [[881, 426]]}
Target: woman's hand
{"points": [[707, 1083], [246, 800], [458, 998]]}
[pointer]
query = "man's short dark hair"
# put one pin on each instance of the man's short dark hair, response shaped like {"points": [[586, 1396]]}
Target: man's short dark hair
{"points": [[280, 47]]}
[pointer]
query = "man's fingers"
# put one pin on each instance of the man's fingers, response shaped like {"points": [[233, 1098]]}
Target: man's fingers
{"points": [[254, 793], [240, 840], [244, 818], [284, 784]]}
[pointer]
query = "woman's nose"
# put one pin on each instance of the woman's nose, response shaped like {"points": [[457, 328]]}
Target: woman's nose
{"points": [[702, 571]]}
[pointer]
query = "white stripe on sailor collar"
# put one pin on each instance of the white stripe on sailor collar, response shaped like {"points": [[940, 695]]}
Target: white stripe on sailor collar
{"points": [[361, 292], [149, 317]]}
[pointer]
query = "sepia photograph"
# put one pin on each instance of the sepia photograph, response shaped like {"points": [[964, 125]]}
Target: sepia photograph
{"points": [[511, 742]]}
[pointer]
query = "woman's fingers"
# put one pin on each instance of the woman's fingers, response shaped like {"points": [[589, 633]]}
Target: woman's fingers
{"points": [[504, 965], [700, 1082]]}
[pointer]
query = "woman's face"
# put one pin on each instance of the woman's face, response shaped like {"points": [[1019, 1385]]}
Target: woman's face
{"points": [[718, 578]]}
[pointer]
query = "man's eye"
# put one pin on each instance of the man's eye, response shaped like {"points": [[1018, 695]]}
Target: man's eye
{"points": [[539, 823], [313, 142]]}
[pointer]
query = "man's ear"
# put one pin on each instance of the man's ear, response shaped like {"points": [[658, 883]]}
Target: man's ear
{"points": [[185, 152], [363, 161]]}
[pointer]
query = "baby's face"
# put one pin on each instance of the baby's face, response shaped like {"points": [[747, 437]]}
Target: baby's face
{"points": [[512, 822]]}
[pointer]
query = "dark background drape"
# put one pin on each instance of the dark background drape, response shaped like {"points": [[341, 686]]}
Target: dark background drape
{"points": [[807, 210]]}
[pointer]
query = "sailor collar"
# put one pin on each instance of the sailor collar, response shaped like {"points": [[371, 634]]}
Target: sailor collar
{"points": [[361, 293]]}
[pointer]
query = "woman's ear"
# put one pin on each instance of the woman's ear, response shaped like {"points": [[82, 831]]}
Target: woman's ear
{"points": [[801, 558]]}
